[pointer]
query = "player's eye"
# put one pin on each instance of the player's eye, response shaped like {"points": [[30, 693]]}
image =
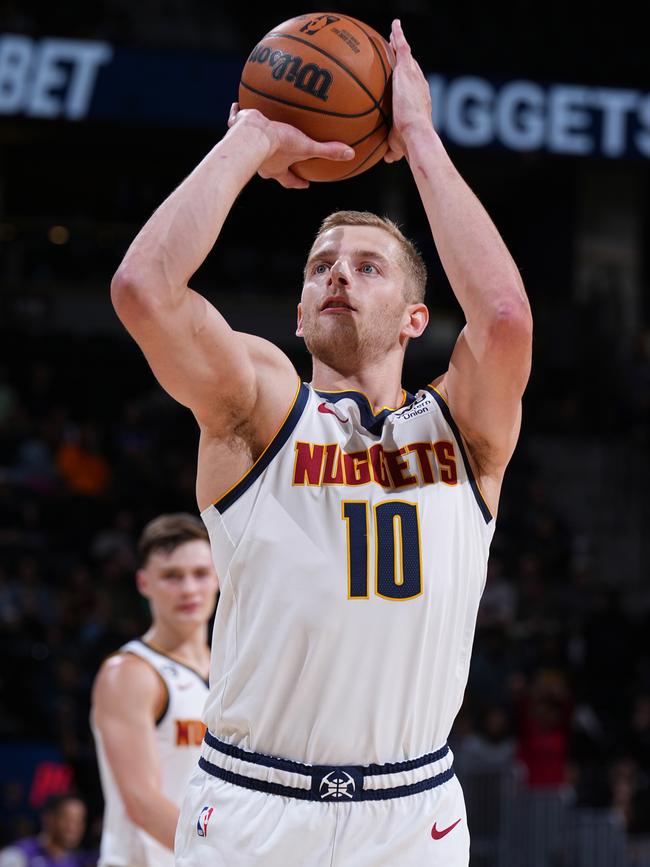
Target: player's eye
{"points": [[320, 268], [368, 268]]}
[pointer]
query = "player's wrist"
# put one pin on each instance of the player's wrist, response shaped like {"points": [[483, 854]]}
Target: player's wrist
{"points": [[419, 137], [418, 133], [253, 130]]}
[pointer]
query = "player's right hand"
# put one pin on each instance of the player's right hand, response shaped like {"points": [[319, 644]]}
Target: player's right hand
{"points": [[411, 98], [287, 145]]}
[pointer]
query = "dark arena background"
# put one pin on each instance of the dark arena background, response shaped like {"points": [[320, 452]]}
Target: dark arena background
{"points": [[104, 108]]}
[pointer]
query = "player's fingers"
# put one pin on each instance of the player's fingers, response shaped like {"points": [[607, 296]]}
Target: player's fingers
{"points": [[400, 44], [287, 179], [292, 181], [333, 150], [392, 156], [234, 108]]}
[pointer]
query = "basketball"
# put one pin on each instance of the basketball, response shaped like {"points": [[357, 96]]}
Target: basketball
{"points": [[329, 75]]}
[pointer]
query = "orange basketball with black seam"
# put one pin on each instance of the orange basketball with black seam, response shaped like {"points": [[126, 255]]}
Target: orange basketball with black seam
{"points": [[329, 75]]}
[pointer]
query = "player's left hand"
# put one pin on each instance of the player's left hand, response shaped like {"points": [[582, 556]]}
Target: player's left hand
{"points": [[411, 97]]}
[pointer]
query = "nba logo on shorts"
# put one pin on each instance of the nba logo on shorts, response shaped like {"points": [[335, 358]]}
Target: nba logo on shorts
{"points": [[202, 821]]}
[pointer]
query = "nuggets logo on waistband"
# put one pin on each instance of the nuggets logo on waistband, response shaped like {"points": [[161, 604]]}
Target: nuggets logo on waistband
{"points": [[416, 464]]}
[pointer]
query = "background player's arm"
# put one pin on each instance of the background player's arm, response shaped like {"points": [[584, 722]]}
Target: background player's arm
{"points": [[127, 697], [192, 350], [490, 363]]}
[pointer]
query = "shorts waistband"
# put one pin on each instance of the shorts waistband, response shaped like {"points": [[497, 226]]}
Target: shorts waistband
{"points": [[325, 783]]}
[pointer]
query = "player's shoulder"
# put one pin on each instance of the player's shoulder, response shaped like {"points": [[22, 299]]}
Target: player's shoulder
{"points": [[125, 670], [439, 385]]}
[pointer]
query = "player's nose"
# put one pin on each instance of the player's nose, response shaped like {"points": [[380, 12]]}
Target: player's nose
{"points": [[340, 273], [190, 584]]}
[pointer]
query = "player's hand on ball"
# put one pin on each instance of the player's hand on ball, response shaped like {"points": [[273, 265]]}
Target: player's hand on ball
{"points": [[411, 97], [287, 146]]}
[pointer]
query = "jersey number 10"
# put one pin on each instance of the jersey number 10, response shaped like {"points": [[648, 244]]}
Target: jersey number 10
{"points": [[397, 550]]}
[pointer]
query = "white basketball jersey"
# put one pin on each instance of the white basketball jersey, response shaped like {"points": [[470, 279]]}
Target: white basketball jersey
{"points": [[352, 558], [179, 733]]}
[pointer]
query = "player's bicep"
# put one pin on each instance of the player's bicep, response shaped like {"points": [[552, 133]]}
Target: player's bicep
{"points": [[193, 352], [126, 696], [487, 375]]}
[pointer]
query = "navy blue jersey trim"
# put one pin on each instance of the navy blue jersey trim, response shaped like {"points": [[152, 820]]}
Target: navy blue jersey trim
{"points": [[483, 506], [372, 423], [308, 795], [283, 434], [163, 712], [198, 674], [301, 768]]}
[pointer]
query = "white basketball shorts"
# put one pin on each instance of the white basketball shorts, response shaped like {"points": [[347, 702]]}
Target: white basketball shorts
{"points": [[243, 809]]}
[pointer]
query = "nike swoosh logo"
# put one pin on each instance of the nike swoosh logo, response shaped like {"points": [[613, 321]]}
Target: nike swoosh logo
{"points": [[323, 407], [438, 835]]}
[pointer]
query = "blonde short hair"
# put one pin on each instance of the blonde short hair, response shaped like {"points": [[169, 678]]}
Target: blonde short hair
{"points": [[412, 260]]}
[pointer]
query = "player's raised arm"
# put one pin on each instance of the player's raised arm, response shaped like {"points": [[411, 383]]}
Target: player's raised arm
{"points": [[192, 350], [127, 731], [491, 361]]}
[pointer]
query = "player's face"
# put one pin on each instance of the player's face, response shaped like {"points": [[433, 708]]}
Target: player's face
{"points": [[181, 585], [352, 306], [67, 824]]}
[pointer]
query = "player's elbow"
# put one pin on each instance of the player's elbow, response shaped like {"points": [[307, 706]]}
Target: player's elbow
{"points": [[511, 322], [125, 288], [130, 294]]}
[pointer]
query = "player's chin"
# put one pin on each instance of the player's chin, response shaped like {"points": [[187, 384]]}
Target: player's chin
{"points": [[191, 613]]}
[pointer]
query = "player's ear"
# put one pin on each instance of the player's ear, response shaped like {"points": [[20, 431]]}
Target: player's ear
{"points": [[299, 325], [418, 319], [142, 582]]}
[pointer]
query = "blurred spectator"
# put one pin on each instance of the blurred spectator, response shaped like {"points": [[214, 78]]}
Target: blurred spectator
{"points": [[544, 717], [63, 824], [35, 468], [117, 541], [489, 749], [82, 464], [499, 602]]}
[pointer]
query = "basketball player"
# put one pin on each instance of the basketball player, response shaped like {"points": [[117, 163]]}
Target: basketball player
{"points": [[63, 824], [148, 698], [350, 521]]}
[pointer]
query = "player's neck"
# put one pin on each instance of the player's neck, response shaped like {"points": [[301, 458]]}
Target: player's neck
{"points": [[188, 647], [381, 382], [53, 849]]}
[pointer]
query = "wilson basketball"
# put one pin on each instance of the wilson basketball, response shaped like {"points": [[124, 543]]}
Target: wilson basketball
{"points": [[329, 75]]}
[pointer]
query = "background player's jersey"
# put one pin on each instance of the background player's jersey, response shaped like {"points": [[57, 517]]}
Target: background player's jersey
{"points": [[179, 733], [352, 558]]}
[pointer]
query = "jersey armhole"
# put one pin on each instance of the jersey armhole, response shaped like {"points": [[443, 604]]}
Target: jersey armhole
{"points": [[163, 712], [277, 441], [476, 490]]}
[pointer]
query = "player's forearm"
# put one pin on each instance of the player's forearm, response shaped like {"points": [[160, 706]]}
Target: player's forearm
{"points": [[481, 270], [177, 238], [154, 814]]}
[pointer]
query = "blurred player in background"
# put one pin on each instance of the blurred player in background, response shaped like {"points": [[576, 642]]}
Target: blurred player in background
{"points": [[148, 698], [63, 823], [350, 521]]}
